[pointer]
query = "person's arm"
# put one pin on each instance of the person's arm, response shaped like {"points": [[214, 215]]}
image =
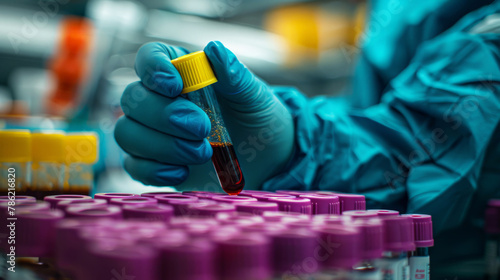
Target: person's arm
{"points": [[421, 149]]}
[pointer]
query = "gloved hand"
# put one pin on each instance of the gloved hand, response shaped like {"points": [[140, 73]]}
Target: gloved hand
{"points": [[164, 133]]}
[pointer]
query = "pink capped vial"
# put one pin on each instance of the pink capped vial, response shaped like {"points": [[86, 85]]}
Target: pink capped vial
{"points": [[251, 193], [35, 233], [351, 202], [210, 210], [193, 260], [347, 250], [62, 205], [323, 204], [158, 212], [278, 216], [292, 247], [257, 208], [109, 196], [333, 219], [133, 201], [238, 219], [290, 192], [264, 228], [233, 199], [105, 212], [155, 194], [244, 257], [360, 214], [422, 226], [372, 238], [265, 197], [54, 199], [293, 204], [383, 212], [398, 234], [109, 262]]}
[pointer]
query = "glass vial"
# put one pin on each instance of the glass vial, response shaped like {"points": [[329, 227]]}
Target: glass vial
{"points": [[197, 75]]}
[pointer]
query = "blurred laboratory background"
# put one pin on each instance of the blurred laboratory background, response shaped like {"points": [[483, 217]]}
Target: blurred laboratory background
{"points": [[65, 63]]}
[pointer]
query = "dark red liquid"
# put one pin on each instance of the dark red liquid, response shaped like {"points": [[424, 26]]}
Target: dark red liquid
{"points": [[228, 168]]}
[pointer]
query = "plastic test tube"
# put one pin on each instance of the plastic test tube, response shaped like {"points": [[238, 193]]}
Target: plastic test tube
{"points": [[48, 163], [15, 158], [197, 74], [81, 154], [398, 241], [419, 259]]}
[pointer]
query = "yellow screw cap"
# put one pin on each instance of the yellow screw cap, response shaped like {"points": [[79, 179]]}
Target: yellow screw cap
{"points": [[81, 148], [47, 147], [195, 71], [15, 146]]}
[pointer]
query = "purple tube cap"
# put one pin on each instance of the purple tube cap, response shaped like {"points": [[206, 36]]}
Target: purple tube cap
{"points": [[140, 200], [398, 233], [177, 260], [278, 216], [107, 261], [251, 193], [155, 194], [167, 198], [351, 202], [384, 212], [42, 224], [109, 212], [54, 199], [62, 205], [257, 208], [360, 214], [293, 204], [267, 196], [422, 226], [347, 250], [292, 192], [244, 254], [157, 212], [323, 204], [233, 199], [372, 238], [291, 247], [210, 210], [109, 196]]}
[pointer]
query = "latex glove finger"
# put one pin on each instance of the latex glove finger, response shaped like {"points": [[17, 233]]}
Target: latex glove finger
{"points": [[152, 65], [154, 173], [144, 142], [174, 116]]}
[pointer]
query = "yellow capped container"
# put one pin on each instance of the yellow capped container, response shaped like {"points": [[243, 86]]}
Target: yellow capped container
{"points": [[81, 153], [15, 146], [81, 148], [48, 147], [15, 161], [195, 71]]}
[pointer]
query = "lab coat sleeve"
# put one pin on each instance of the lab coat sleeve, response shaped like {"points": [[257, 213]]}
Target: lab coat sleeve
{"points": [[418, 151]]}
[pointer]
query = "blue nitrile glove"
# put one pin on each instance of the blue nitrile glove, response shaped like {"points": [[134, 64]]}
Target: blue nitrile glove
{"points": [[164, 133]]}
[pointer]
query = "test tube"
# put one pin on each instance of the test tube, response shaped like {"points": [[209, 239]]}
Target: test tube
{"points": [[15, 158], [81, 154], [398, 241], [47, 150], [197, 75], [419, 260]]}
